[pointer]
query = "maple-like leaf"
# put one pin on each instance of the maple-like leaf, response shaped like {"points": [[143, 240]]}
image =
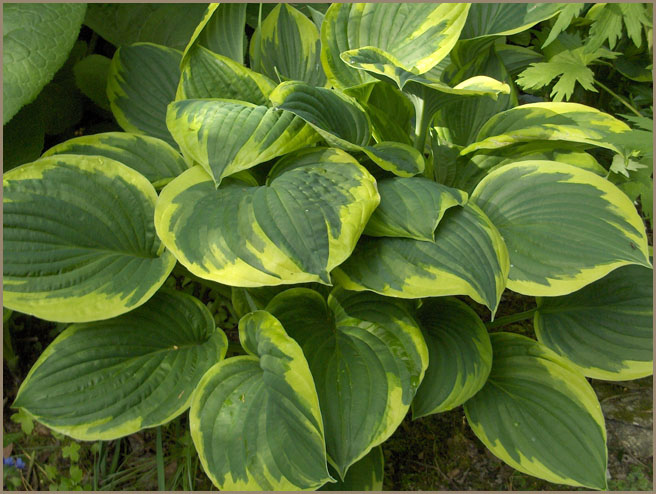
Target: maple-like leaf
{"points": [[608, 19], [565, 17]]}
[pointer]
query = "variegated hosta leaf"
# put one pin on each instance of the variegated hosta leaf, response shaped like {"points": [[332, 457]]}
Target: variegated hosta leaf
{"points": [[245, 300], [255, 420], [468, 257], [367, 356], [549, 121], [109, 379], [411, 208], [503, 19], [604, 329], [364, 475], [296, 229], [565, 227], [390, 113], [141, 83], [343, 123], [460, 355], [286, 47], [79, 239], [540, 415], [208, 75], [152, 157], [227, 136], [413, 36]]}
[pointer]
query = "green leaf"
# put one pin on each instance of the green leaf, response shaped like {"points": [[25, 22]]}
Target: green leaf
{"points": [[364, 475], [411, 208], [517, 58], [108, 379], [565, 17], [161, 23], [76, 473], [286, 47], [367, 356], [91, 74], [296, 229], [79, 239], [548, 121], [23, 137], [607, 23], [71, 451], [255, 420], [460, 356], [227, 136], [413, 36], [539, 415], [36, 41], [143, 79], [565, 227], [604, 329], [390, 113], [468, 257], [151, 157], [208, 75], [25, 420], [504, 19]]}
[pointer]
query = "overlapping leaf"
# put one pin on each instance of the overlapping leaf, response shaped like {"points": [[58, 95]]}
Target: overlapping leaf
{"points": [[108, 379], [503, 19], [79, 239], [364, 475], [255, 420]]}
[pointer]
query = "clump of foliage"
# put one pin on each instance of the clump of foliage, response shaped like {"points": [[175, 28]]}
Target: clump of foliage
{"points": [[337, 175]]}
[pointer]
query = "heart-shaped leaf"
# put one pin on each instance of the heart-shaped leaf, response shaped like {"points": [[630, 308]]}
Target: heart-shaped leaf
{"points": [[255, 420], [109, 379], [79, 239], [564, 226], [296, 229], [539, 415], [504, 19], [367, 356], [604, 329]]}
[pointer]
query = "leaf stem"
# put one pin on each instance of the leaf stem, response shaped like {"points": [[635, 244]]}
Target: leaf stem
{"points": [[421, 125], [161, 483], [619, 98], [505, 320]]}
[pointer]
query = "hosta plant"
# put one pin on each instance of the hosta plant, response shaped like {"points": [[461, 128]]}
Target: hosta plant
{"points": [[352, 180]]}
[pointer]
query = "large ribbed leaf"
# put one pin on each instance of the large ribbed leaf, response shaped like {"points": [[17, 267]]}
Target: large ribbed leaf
{"points": [[367, 356], [286, 47], [79, 239], [539, 415], [411, 208], [606, 328], [549, 121], [153, 158], [487, 19], [414, 36], [296, 229], [468, 257], [564, 226], [108, 379], [364, 475], [142, 81], [255, 420], [390, 113], [36, 41], [460, 355], [226, 136], [343, 123], [208, 75]]}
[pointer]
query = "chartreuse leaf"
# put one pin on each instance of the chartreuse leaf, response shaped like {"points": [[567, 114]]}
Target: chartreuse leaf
{"points": [[468, 257], [296, 229], [208, 75], [152, 157], [79, 239], [367, 356], [540, 415], [142, 81], [411, 208], [343, 123], [460, 355], [227, 136], [548, 121], [504, 19], [413, 37], [364, 475], [604, 329], [112, 378], [565, 227], [286, 46], [36, 41], [255, 420]]}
